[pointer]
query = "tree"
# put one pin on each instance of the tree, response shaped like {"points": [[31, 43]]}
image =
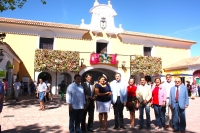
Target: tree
{"points": [[13, 4]]}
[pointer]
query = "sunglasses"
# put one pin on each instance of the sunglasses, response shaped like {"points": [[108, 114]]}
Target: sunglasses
{"points": [[177, 81]]}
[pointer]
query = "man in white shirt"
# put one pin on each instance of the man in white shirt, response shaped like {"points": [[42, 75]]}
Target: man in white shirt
{"points": [[168, 84], [17, 86], [144, 95], [76, 100], [119, 99]]}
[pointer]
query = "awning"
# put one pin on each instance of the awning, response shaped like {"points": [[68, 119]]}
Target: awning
{"points": [[182, 74]]}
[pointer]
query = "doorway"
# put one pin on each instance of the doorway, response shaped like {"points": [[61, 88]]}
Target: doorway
{"points": [[101, 47]]}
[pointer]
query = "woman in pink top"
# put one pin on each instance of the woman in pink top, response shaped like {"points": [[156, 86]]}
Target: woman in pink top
{"points": [[159, 103]]}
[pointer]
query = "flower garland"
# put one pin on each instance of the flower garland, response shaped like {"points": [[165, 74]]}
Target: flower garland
{"points": [[46, 60], [145, 64]]}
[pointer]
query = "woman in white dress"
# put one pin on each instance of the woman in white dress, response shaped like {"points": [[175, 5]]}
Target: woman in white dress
{"points": [[103, 93]]}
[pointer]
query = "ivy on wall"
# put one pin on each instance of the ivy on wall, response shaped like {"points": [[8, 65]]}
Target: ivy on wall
{"points": [[146, 65], [56, 60]]}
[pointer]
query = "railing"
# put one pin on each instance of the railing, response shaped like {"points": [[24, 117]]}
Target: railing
{"points": [[96, 58]]}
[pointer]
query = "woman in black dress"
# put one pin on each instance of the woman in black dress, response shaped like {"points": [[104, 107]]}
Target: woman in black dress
{"points": [[103, 99]]}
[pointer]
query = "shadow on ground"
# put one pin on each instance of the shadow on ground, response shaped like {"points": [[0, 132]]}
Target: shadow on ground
{"points": [[27, 101], [34, 129]]}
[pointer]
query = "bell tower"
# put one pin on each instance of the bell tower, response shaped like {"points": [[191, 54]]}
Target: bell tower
{"points": [[102, 19]]}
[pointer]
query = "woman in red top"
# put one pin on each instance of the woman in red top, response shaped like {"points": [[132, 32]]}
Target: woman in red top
{"points": [[132, 103]]}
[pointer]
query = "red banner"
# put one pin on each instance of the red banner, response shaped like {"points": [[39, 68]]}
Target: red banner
{"points": [[103, 58]]}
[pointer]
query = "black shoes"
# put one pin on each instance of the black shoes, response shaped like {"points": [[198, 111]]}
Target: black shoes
{"points": [[122, 127], [115, 127], [90, 130]]}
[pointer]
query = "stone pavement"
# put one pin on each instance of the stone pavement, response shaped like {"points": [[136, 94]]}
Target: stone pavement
{"points": [[24, 117]]}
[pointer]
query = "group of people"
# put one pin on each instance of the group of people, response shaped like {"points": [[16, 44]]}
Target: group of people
{"points": [[165, 98]]}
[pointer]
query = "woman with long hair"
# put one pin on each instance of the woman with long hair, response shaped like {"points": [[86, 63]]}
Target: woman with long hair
{"points": [[132, 102], [103, 98], [159, 103], [41, 89]]}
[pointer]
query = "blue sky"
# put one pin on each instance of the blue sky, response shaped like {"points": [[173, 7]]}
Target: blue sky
{"points": [[176, 18]]}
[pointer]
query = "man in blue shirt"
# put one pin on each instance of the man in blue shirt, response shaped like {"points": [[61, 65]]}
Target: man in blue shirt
{"points": [[76, 100], [119, 98]]}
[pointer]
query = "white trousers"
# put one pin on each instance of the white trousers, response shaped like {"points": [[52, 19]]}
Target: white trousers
{"points": [[167, 113]]}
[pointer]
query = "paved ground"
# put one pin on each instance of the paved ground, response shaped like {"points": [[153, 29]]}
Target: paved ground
{"points": [[24, 117]]}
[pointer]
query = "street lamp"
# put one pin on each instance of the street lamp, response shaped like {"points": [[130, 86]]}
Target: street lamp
{"points": [[1, 55], [2, 36], [82, 61]]}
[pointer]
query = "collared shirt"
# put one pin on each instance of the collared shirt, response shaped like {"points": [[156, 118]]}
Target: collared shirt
{"points": [[89, 85], [144, 92], [17, 85], [118, 88], [168, 86], [176, 90], [42, 87], [75, 96], [158, 95]]}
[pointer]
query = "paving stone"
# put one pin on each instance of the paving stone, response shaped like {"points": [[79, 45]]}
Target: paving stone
{"points": [[24, 117]]}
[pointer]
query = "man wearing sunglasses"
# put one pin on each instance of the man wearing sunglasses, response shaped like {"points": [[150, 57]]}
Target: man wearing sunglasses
{"points": [[178, 102]]}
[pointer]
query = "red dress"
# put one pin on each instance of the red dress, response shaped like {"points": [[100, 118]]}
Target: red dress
{"points": [[131, 97]]}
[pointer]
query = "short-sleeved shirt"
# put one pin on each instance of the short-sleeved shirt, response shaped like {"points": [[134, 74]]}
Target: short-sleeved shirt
{"points": [[105, 89], [17, 85], [42, 87]]}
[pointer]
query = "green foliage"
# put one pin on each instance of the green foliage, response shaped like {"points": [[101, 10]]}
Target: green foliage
{"points": [[13, 4]]}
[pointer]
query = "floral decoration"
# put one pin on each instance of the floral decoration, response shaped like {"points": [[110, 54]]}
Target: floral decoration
{"points": [[96, 58], [146, 65], [56, 60]]}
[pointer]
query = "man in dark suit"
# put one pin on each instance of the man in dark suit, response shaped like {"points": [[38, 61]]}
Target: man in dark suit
{"points": [[178, 101], [90, 98]]}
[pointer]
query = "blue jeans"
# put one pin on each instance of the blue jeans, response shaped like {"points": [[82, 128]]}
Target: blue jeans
{"points": [[141, 110], [75, 116], [160, 115]]}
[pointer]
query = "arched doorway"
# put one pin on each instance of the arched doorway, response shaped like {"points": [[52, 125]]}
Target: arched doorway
{"points": [[109, 71], [45, 76], [97, 72], [196, 77], [65, 76]]}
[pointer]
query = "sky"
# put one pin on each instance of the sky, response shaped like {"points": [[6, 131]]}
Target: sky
{"points": [[175, 18]]}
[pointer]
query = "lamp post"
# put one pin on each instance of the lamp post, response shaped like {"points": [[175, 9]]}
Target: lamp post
{"points": [[82, 61]]}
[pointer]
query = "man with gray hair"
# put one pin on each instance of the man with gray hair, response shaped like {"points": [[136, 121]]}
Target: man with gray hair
{"points": [[119, 98]]}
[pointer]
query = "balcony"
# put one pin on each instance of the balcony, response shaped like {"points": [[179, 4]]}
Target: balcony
{"points": [[96, 58]]}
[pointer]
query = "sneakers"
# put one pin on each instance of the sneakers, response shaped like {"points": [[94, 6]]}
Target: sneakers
{"points": [[157, 128], [132, 127]]}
